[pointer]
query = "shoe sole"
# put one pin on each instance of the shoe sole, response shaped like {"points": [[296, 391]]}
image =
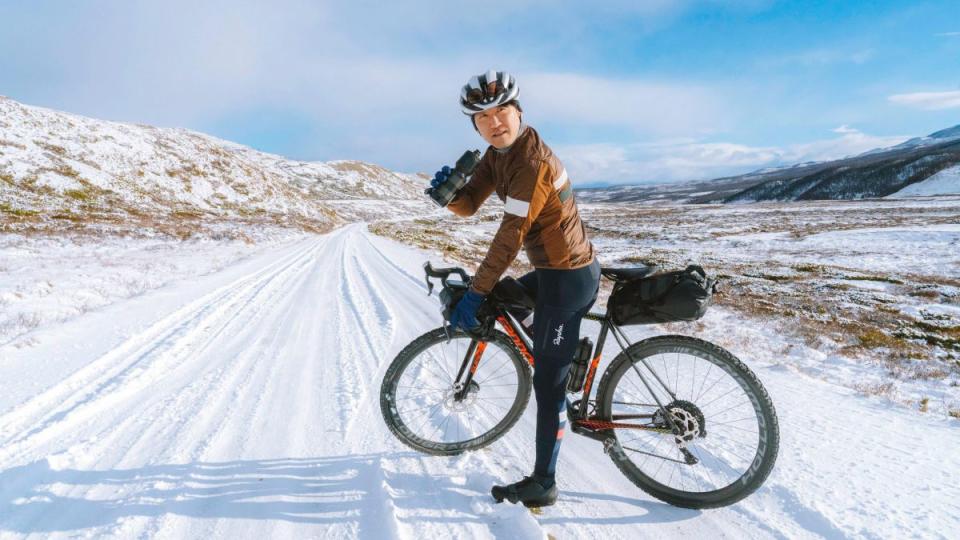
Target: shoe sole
{"points": [[538, 504]]}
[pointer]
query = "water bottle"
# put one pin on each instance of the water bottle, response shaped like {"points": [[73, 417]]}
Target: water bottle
{"points": [[445, 192], [578, 369]]}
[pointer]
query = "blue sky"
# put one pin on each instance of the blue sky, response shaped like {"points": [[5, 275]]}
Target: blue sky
{"points": [[624, 91]]}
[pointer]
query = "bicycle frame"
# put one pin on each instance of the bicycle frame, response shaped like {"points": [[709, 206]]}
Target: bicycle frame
{"points": [[580, 417]]}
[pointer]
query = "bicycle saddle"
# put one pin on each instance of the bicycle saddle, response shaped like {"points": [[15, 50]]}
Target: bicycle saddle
{"points": [[628, 274]]}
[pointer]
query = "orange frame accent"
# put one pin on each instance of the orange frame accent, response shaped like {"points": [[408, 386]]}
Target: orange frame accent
{"points": [[481, 346], [516, 339], [587, 386]]}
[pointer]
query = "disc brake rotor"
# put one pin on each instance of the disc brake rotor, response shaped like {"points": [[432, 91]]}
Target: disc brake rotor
{"points": [[450, 401], [688, 419]]}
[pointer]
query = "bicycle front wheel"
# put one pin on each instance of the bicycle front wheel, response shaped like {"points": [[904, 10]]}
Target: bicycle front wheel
{"points": [[723, 439], [425, 405]]}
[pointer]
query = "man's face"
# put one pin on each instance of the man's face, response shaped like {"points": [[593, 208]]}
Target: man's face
{"points": [[498, 126]]}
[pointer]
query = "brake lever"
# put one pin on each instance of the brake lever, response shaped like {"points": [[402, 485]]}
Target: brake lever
{"points": [[428, 271]]}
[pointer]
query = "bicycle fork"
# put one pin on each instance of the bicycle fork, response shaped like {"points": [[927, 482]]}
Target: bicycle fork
{"points": [[471, 359]]}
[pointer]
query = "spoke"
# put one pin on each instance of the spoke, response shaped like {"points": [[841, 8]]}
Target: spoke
{"points": [[412, 395], [506, 364], [443, 376], [733, 407], [401, 412], [707, 391], [639, 390], [655, 447], [665, 458], [725, 422], [499, 376], [693, 378], [635, 404], [699, 457], [705, 379], [443, 350], [666, 373], [725, 394], [754, 432], [738, 456], [495, 418], [429, 416], [421, 387], [442, 428], [676, 379]]}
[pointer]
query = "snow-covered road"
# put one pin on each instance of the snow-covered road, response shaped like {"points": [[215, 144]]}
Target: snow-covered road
{"points": [[244, 404]]}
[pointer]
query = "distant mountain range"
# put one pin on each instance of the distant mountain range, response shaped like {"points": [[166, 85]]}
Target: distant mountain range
{"points": [[59, 166], [920, 166]]}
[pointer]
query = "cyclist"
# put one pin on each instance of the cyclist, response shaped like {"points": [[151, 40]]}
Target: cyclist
{"points": [[540, 214]]}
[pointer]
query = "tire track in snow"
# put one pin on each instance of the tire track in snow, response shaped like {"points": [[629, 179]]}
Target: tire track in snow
{"points": [[153, 355], [242, 418], [255, 389], [174, 418], [383, 291], [363, 293], [384, 259]]}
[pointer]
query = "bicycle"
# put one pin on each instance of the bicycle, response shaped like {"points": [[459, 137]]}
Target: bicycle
{"points": [[712, 439]]}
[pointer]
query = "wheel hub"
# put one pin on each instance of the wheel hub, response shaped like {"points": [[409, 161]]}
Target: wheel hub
{"points": [[466, 399], [689, 422]]}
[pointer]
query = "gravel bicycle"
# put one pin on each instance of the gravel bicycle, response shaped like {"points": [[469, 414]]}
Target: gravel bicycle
{"points": [[683, 419]]}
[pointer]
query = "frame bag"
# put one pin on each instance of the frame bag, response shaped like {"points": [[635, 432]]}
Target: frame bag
{"points": [[671, 296]]}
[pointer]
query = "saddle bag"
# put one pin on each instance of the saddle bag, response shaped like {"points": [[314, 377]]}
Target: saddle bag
{"points": [[682, 295]]}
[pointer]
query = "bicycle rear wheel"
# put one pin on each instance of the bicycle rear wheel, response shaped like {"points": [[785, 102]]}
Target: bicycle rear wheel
{"points": [[418, 397], [728, 435]]}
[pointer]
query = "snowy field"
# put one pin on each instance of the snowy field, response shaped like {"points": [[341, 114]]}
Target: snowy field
{"points": [[870, 289], [234, 395]]}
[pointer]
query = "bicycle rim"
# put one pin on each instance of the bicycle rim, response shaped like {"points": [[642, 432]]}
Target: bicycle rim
{"points": [[726, 419], [419, 402]]}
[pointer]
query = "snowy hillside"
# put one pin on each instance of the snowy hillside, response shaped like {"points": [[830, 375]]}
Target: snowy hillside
{"points": [[67, 167], [243, 404], [944, 182]]}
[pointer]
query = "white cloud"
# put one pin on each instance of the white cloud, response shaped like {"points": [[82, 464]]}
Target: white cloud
{"points": [[353, 73], [948, 34], [844, 130], [644, 106], [928, 101], [684, 159]]}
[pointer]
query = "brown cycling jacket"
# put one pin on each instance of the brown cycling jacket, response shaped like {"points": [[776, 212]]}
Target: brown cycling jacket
{"points": [[539, 211]]}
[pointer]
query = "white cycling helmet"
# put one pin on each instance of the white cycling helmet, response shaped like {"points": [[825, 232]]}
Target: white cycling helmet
{"points": [[488, 90]]}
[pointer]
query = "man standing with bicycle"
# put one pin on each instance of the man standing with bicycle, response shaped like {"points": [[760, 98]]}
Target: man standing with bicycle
{"points": [[539, 214]]}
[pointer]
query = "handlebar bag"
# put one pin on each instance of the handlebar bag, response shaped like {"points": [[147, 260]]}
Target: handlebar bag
{"points": [[682, 295]]}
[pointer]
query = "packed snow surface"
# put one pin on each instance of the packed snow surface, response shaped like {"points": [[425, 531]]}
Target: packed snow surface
{"points": [[243, 403]]}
